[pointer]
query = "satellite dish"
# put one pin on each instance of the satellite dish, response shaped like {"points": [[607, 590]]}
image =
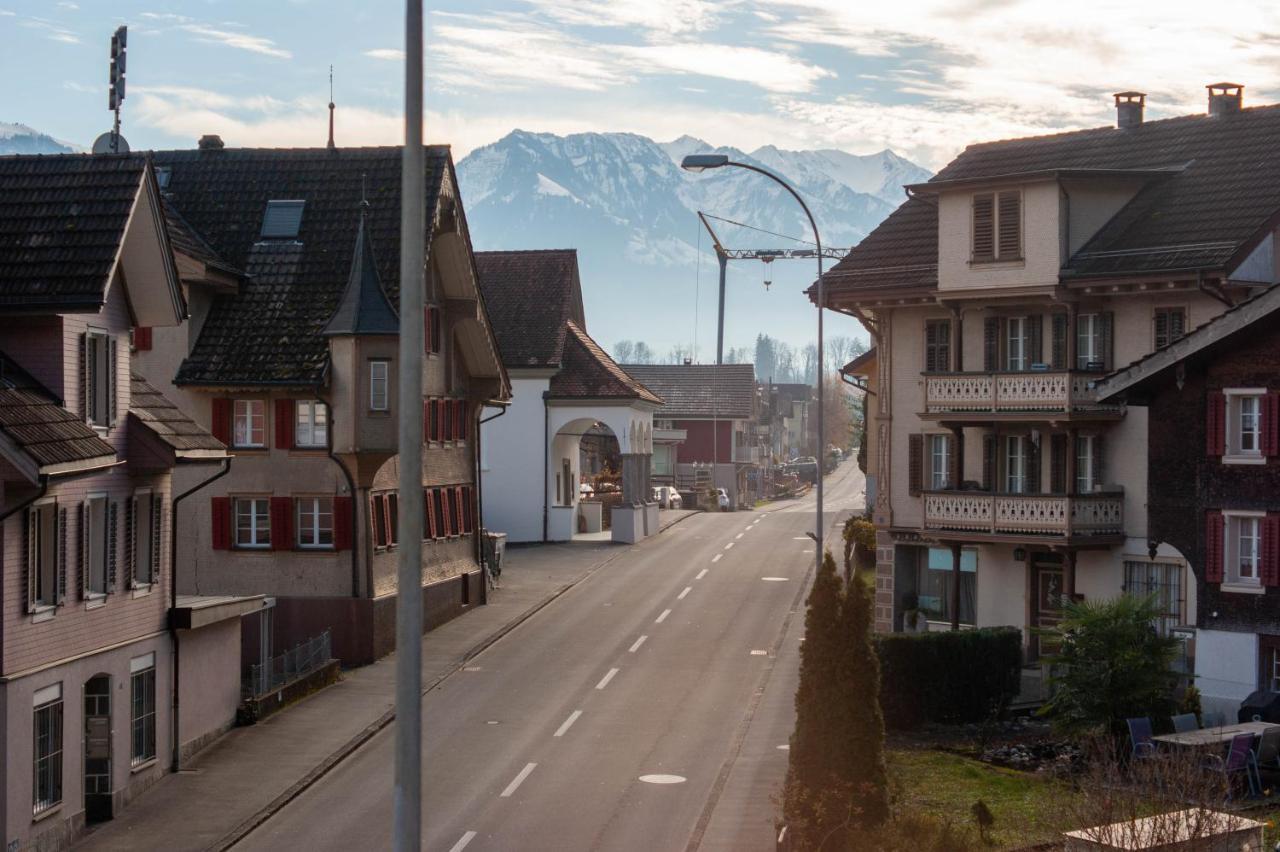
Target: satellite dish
{"points": [[103, 144]]}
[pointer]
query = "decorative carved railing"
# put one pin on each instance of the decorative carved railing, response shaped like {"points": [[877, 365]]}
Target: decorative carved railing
{"points": [[1012, 392], [1049, 515]]}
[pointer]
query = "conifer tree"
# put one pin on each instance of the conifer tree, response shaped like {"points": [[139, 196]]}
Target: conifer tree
{"points": [[862, 755]]}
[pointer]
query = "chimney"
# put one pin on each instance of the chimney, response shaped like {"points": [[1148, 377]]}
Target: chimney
{"points": [[1129, 106], [1225, 98], [210, 142]]}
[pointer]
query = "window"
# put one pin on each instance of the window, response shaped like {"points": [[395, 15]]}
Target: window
{"points": [[934, 583], [937, 346], [47, 749], [997, 226], [315, 522], [1171, 323], [249, 423], [1089, 342], [1017, 343], [282, 220], [393, 517], [432, 334], [145, 545], [312, 427], [441, 508], [1086, 449], [1164, 581], [1015, 464], [939, 462], [99, 381], [142, 683], [1247, 425], [379, 397], [96, 540], [379, 506], [1244, 549], [253, 522], [43, 542]]}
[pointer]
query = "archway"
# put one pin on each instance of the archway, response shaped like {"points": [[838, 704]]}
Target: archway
{"points": [[584, 479]]}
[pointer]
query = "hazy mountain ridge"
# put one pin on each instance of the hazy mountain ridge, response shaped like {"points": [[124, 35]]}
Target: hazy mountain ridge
{"points": [[21, 139]]}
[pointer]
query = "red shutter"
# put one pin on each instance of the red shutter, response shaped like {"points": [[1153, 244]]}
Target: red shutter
{"points": [[341, 523], [1216, 424], [221, 425], [1271, 549], [459, 513], [142, 338], [284, 424], [468, 510], [388, 519], [281, 523], [429, 522], [221, 523], [1271, 424], [446, 511], [1213, 535], [446, 420], [426, 420]]}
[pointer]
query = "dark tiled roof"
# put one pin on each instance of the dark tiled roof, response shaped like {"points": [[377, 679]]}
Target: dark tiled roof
{"points": [[34, 419], [166, 421], [587, 372], [272, 332], [184, 239], [859, 364], [62, 219], [901, 252], [531, 295], [699, 390], [363, 308]]}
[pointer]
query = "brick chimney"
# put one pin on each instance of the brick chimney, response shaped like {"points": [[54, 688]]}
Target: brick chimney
{"points": [[1225, 98], [1129, 106], [210, 142]]}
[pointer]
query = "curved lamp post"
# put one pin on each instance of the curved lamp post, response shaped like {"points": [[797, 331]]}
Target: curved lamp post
{"points": [[703, 162]]}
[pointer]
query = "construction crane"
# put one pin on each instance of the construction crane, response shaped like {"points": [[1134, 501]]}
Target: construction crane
{"points": [[765, 256]]}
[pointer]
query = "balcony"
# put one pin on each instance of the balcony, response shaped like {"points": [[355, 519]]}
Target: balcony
{"points": [[1053, 394], [1058, 518], [746, 455]]}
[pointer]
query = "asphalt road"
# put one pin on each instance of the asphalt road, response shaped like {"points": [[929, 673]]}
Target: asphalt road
{"points": [[676, 664]]}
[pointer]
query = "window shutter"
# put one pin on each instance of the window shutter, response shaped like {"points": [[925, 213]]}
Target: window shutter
{"points": [[1271, 550], [1035, 334], [446, 515], [1098, 467], [112, 390], [1271, 424], [281, 520], [131, 555], [984, 245], [60, 542], [113, 549], [82, 554], [341, 522], [1162, 328], [1058, 346], [1215, 424], [142, 338], [1214, 534], [991, 344], [221, 425], [426, 421], [1010, 225], [86, 411], [469, 503], [955, 461], [931, 347], [1177, 324], [1033, 466], [446, 422], [429, 519], [221, 537], [1058, 465], [915, 464], [388, 519], [285, 415], [29, 534], [1106, 322], [157, 526], [988, 462]]}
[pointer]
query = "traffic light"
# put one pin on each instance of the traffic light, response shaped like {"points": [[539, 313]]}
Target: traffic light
{"points": [[119, 41]]}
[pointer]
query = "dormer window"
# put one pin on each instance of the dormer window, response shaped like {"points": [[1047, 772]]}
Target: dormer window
{"points": [[282, 220], [997, 226]]}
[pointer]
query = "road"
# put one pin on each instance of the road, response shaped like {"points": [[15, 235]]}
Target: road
{"points": [[643, 710]]}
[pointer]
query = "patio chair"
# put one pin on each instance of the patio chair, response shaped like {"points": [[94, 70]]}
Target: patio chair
{"points": [[1215, 719], [1237, 761], [1140, 737], [1184, 723], [1267, 754]]}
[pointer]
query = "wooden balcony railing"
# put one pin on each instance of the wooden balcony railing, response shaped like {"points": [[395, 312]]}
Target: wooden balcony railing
{"points": [[1050, 515], [1011, 393]]}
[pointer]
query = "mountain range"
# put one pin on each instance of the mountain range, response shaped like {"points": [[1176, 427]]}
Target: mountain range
{"points": [[20, 139]]}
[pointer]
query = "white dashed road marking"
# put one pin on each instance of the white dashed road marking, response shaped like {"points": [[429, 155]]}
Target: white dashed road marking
{"points": [[701, 574], [687, 590], [604, 681], [759, 653], [519, 779], [663, 779], [636, 646], [567, 723], [739, 535], [716, 558], [662, 617], [774, 579], [463, 841], [728, 546]]}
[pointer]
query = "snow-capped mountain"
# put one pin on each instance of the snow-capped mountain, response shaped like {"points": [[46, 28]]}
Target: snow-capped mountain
{"points": [[623, 202], [20, 139]]}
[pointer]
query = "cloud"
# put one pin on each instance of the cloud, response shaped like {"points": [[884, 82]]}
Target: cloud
{"points": [[671, 17], [66, 5], [773, 72], [240, 41], [393, 54], [52, 30]]}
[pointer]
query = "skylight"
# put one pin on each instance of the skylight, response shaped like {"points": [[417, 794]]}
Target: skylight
{"points": [[282, 220], [163, 173]]}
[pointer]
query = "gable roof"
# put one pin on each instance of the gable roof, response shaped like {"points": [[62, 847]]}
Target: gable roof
{"points": [[587, 372], [700, 390], [185, 240], [271, 333], [531, 296], [62, 224], [45, 437], [363, 308], [186, 438], [1212, 185]]}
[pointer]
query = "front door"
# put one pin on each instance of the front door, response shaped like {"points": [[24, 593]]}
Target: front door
{"points": [[97, 748], [1048, 589]]}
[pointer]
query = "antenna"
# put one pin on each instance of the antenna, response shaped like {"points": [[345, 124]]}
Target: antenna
{"points": [[331, 145], [112, 142]]}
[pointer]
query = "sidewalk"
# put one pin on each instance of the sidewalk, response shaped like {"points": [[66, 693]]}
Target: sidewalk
{"points": [[244, 777]]}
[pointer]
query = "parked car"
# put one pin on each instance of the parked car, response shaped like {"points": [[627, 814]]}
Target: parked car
{"points": [[666, 497], [722, 500], [806, 469], [585, 490]]}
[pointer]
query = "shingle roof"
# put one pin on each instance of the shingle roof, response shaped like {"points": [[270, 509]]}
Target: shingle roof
{"points": [[531, 295], [154, 411], [34, 419], [699, 390], [363, 308], [901, 252], [271, 333], [62, 219], [587, 372], [184, 239]]}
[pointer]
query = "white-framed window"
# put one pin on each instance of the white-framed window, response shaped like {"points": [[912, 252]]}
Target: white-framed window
{"points": [[312, 427], [1244, 548], [315, 522], [1088, 340], [939, 462], [99, 378], [145, 546], [142, 709], [1015, 465], [1164, 580], [1086, 450], [96, 541], [42, 556], [253, 522], [1246, 428], [249, 422], [1017, 343], [379, 391], [46, 748]]}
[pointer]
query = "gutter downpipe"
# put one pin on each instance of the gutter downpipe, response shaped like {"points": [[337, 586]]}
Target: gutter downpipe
{"points": [[173, 600], [546, 461], [355, 505], [479, 545]]}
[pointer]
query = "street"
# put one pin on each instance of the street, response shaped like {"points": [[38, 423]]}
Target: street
{"points": [[644, 709]]}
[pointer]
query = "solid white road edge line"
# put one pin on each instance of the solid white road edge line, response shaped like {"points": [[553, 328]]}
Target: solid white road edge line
{"points": [[717, 557], [636, 646], [463, 841], [567, 723], [519, 779], [687, 590], [604, 681], [662, 617], [701, 574]]}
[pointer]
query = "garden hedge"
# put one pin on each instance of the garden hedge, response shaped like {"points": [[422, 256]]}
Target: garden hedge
{"points": [[964, 676]]}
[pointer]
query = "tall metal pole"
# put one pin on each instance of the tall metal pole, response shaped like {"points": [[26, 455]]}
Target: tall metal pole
{"points": [[724, 267], [408, 791]]}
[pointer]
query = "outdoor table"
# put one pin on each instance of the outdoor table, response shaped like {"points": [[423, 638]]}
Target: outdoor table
{"points": [[1213, 736]]}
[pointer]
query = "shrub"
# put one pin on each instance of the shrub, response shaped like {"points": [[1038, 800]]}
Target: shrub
{"points": [[954, 677]]}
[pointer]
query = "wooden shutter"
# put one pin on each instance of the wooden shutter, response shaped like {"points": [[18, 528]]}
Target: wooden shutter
{"points": [[1010, 235], [82, 557], [446, 513], [142, 338], [1058, 344], [390, 518], [1098, 468], [915, 464], [280, 516], [1058, 465], [1033, 466], [429, 522], [1162, 328], [60, 542], [1271, 424], [470, 507], [285, 412], [221, 523], [1035, 335], [112, 545], [341, 522], [30, 535], [131, 542], [113, 391], [86, 410], [984, 241], [1106, 323], [436, 430], [460, 522], [988, 462], [221, 417], [1213, 541], [1215, 424], [157, 524], [955, 460], [446, 421], [1271, 550], [991, 344]]}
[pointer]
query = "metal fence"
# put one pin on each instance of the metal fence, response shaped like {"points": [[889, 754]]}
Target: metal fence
{"points": [[300, 660]]}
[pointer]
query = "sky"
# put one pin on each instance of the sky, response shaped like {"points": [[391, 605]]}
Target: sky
{"points": [[924, 77]]}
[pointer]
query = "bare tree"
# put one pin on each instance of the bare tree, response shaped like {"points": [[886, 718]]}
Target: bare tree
{"points": [[809, 364], [624, 352], [678, 353], [784, 362], [642, 353]]}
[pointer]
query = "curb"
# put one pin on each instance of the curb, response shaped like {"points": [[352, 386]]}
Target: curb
{"points": [[245, 828]]}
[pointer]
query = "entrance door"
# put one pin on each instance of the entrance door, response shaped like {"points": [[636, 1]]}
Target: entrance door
{"points": [[1048, 590], [97, 748]]}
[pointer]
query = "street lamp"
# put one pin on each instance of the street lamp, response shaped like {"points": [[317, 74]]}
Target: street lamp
{"points": [[703, 162]]}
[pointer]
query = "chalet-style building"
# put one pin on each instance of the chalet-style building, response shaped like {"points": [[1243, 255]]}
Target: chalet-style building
{"points": [[792, 428], [564, 387], [996, 294], [1213, 489], [290, 258], [716, 407], [93, 639]]}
